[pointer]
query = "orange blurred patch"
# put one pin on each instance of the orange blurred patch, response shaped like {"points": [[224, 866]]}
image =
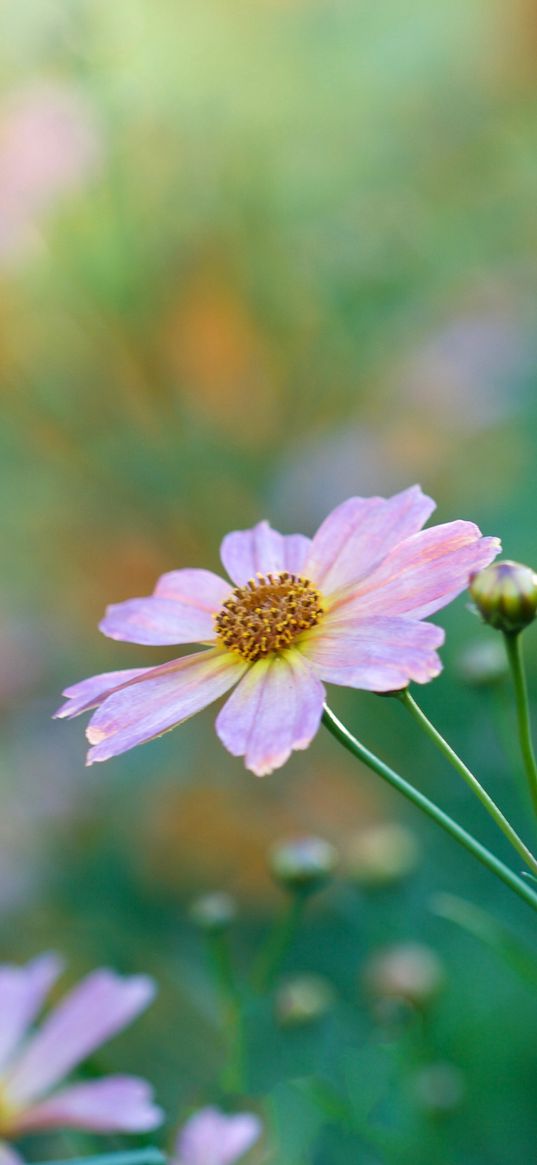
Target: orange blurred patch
{"points": [[417, 446], [129, 563], [203, 838], [222, 361], [509, 63]]}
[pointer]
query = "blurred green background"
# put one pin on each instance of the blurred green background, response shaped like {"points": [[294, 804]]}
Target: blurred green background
{"points": [[255, 258]]}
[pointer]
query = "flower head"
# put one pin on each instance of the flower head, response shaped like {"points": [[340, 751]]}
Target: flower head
{"points": [[212, 1138], [408, 971], [33, 1064], [214, 912], [345, 607], [505, 595], [303, 865]]}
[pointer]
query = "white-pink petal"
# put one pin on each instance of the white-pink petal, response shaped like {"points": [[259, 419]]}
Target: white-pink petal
{"points": [[358, 534], [196, 588], [8, 1156], [115, 1104], [101, 1005], [181, 610], [379, 654], [155, 622], [22, 993], [168, 696], [211, 1137], [246, 553], [276, 708], [424, 573], [91, 692]]}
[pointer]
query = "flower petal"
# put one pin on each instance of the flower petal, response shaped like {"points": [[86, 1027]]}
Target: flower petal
{"points": [[170, 694], [196, 588], [181, 610], [211, 1137], [8, 1156], [357, 535], [116, 1104], [424, 573], [378, 655], [91, 692], [246, 553], [101, 1005], [22, 992], [276, 708], [156, 622]]}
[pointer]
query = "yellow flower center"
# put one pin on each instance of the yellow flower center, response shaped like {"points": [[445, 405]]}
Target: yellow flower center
{"points": [[268, 614], [8, 1114]]}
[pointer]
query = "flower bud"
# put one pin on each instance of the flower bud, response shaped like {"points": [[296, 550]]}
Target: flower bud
{"points": [[481, 665], [382, 855], [439, 1088], [304, 865], [505, 594], [214, 912], [303, 1000], [409, 972]]}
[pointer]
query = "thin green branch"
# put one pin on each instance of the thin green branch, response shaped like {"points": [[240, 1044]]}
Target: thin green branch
{"points": [[279, 941], [516, 661], [486, 800], [432, 810], [231, 1007], [127, 1157]]}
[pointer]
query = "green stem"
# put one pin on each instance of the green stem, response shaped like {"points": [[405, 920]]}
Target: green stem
{"points": [[486, 800], [442, 819], [516, 661], [133, 1157], [231, 1010], [220, 959], [279, 941]]}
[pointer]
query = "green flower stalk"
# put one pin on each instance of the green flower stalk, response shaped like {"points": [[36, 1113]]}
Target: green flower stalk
{"points": [[516, 662], [214, 915], [470, 843], [302, 868], [129, 1157], [505, 594], [486, 800]]}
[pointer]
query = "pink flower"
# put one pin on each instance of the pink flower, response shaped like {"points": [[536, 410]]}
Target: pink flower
{"points": [[32, 1064], [212, 1138], [345, 607]]}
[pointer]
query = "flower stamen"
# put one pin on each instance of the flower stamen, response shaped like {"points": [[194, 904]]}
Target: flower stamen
{"points": [[267, 614]]}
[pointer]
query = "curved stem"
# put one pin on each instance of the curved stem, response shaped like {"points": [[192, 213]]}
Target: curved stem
{"points": [[125, 1157], [231, 1010], [433, 811], [516, 661], [507, 829], [279, 941]]}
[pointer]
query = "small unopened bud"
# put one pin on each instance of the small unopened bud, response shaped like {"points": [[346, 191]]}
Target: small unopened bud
{"points": [[439, 1088], [382, 855], [214, 912], [505, 594], [483, 664], [410, 972], [303, 1000], [304, 865]]}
